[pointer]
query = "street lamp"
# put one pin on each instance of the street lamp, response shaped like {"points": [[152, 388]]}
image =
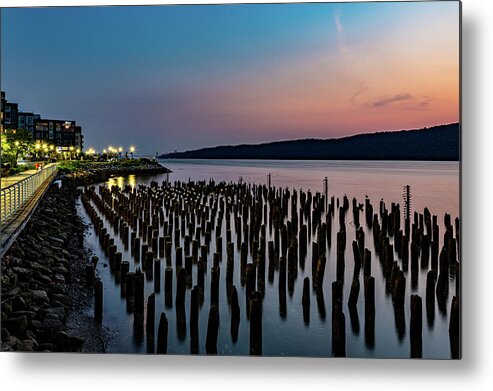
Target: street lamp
{"points": [[37, 146], [132, 150]]}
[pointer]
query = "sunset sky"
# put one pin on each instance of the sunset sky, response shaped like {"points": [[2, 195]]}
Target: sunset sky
{"points": [[181, 77]]}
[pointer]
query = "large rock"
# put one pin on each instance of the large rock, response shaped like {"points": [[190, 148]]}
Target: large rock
{"points": [[58, 311], [5, 334], [40, 296], [16, 326]]}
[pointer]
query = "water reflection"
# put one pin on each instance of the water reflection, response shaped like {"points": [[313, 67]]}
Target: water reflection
{"points": [[354, 317]]}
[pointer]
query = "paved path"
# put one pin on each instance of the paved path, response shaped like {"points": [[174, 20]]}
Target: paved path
{"points": [[12, 228], [10, 180]]}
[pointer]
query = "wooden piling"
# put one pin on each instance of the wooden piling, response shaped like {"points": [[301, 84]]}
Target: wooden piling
{"points": [[168, 287], [130, 291], [125, 268], [212, 331], [235, 314], [255, 323], [354, 293], [162, 335], [90, 274], [157, 275], [139, 291], [181, 279], [150, 322], [194, 320], [416, 326]]}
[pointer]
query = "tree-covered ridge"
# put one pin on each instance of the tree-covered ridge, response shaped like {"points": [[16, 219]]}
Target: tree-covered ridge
{"points": [[435, 143]]}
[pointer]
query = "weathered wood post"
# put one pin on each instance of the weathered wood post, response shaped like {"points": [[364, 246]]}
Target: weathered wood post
{"points": [[430, 296], [306, 300], [194, 320], [125, 268], [235, 314], [168, 287], [136, 249], [354, 293], [416, 327], [139, 291], [454, 328], [157, 275], [370, 312], [150, 321], [90, 274], [256, 323], [212, 331], [162, 335], [181, 279], [338, 325]]}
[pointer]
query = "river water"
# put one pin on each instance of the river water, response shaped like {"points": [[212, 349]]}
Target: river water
{"points": [[435, 185]]}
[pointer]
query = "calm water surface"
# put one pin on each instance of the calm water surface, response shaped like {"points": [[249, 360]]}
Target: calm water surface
{"points": [[433, 184]]}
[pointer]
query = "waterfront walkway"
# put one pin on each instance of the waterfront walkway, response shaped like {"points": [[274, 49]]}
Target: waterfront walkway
{"points": [[10, 180], [20, 195]]}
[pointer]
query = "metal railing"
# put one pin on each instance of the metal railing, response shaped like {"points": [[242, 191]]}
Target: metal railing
{"points": [[15, 196]]}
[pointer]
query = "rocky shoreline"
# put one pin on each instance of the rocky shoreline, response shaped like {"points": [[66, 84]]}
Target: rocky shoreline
{"points": [[45, 300], [40, 273]]}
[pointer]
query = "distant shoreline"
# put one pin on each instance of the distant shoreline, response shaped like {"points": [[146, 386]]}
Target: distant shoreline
{"points": [[438, 143]]}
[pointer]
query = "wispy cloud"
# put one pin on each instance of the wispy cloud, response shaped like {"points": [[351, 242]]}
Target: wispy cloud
{"points": [[341, 36], [361, 88], [385, 101], [423, 104]]}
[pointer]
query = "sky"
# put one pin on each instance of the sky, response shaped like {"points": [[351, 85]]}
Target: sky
{"points": [[167, 78]]}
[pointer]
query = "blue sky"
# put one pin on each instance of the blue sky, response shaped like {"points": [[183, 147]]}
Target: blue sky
{"points": [[180, 77]]}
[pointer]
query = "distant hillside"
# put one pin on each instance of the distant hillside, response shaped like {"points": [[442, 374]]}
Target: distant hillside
{"points": [[436, 143]]}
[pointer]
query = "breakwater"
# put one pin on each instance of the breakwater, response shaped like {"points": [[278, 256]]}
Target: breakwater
{"points": [[169, 242], [89, 173]]}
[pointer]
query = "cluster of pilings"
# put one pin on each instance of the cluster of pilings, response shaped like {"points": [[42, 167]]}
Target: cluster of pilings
{"points": [[192, 229]]}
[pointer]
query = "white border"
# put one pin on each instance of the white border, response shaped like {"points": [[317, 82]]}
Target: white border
{"points": [[129, 372]]}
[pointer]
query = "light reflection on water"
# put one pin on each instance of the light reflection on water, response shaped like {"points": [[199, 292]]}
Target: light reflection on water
{"points": [[434, 185]]}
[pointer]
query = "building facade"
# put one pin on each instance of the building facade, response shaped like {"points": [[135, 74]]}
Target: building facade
{"points": [[61, 134], [27, 121], [9, 114]]}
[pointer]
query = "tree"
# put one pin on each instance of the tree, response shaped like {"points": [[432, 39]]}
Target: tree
{"points": [[15, 145]]}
